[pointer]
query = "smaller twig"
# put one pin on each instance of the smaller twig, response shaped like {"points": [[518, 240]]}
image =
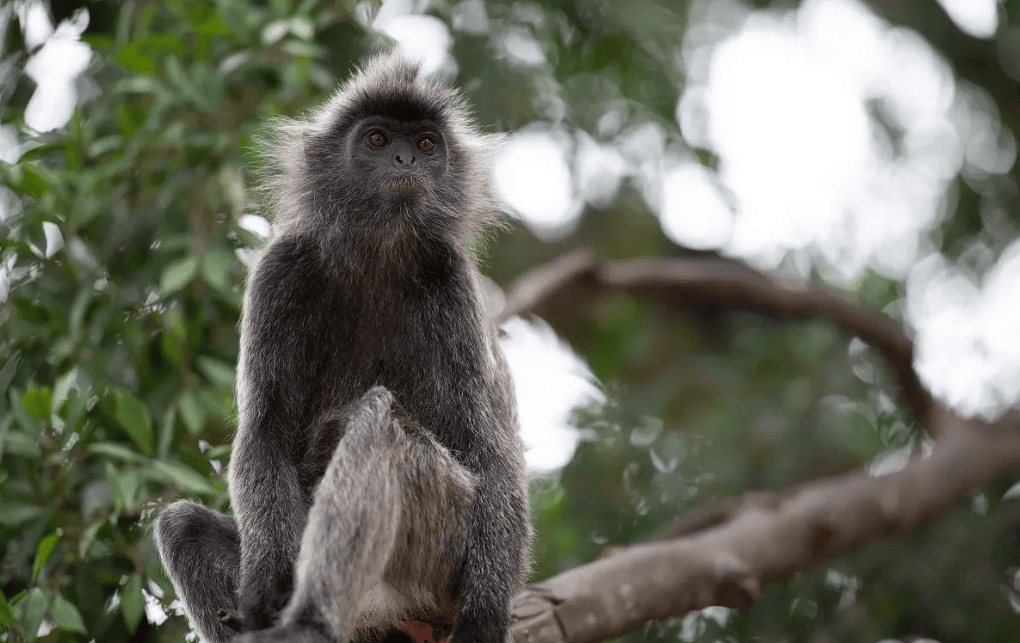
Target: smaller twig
{"points": [[542, 283]]}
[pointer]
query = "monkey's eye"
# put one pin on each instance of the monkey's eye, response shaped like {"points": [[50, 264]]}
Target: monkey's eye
{"points": [[426, 144], [376, 139]]}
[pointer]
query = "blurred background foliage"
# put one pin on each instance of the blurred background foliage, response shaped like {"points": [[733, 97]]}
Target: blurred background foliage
{"points": [[122, 254]]}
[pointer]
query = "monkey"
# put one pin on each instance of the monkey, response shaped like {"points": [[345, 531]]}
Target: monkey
{"points": [[377, 470]]}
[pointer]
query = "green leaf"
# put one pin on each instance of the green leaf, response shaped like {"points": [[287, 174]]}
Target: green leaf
{"points": [[218, 451], [182, 81], [128, 482], [191, 412], [177, 275], [118, 451], [184, 477], [73, 411], [171, 347], [15, 512], [25, 419], [216, 267], [131, 118], [66, 615], [274, 31], [37, 402], [281, 7], [88, 537], [218, 372], [175, 323], [42, 553], [302, 28], [134, 417], [8, 371], [7, 617], [19, 442], [132, 603], [35, 181], [135, 59], [215, 26], [33, 609], [231, 182]]}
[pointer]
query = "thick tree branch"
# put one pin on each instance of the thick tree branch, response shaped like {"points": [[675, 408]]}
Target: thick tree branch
{"points": [[732, 548], [720, 283], [728, 564]]}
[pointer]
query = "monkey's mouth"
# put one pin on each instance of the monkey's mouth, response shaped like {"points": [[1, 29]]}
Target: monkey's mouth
{"points": [[404, 188]]}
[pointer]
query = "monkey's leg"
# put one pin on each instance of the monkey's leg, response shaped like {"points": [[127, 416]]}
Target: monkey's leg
{"points": [[381, 512], [201, 552]]}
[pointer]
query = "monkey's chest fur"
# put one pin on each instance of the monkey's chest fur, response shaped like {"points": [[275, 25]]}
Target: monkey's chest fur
{"points": [[415, 332]]}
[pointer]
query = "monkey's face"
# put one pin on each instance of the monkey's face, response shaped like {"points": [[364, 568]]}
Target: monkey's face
{"points": [[398, 163]]}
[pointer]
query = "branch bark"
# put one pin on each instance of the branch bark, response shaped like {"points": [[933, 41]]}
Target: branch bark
{"points": [[739, 545], [720, 283]]}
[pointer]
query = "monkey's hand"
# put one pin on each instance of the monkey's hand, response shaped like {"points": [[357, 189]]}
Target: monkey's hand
{"points": [[271, 514], [494, 567], [267, 568], [231, 620]]}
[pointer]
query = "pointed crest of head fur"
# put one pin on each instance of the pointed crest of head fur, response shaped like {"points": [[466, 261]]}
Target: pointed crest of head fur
{"points": [[388, 85]]}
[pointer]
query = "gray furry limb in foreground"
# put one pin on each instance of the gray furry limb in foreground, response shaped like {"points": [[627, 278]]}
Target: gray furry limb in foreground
{"points": [[377, 472]]}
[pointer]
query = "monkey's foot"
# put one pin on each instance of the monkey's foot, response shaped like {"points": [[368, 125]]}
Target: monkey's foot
{"points": [[293, 633], [419, 632]]}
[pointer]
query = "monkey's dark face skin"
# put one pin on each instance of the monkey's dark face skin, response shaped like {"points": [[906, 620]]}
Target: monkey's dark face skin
{"points": [[387, 180], [404, 161]]}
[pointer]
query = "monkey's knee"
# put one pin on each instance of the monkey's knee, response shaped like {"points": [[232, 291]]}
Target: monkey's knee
{"points": [[186, 528], [377, 402], [373, 419]]}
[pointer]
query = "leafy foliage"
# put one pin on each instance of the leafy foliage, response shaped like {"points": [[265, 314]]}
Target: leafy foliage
{"points": [[119, 346]]}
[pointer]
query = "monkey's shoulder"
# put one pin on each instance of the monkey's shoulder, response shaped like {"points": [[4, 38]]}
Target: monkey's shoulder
{"points": [[284, 289], [285, 263]]}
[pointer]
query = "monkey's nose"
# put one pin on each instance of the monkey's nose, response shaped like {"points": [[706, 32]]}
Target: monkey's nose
{"points": [[404, 159]]}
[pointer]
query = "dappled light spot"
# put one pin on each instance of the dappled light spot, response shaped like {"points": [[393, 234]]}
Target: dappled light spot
{"points": [[255, 224], [693, 212], [521, 49], [420, 37], [968, 348], [470, 16], [838, 136], [600, 170], [979, 18], [55, 67], [550, 381], [532, 176]]}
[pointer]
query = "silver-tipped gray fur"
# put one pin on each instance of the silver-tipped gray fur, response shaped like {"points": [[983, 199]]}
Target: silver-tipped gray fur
{"points": [[377, 471]]}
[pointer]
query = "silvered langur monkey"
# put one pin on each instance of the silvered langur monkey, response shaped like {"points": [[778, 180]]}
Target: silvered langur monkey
{"points": [[377, 471]]}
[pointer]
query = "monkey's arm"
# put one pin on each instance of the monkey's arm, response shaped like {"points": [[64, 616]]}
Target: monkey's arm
{"points": [[275, 382], [495, 560], [270, 514], [498, 522]]}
